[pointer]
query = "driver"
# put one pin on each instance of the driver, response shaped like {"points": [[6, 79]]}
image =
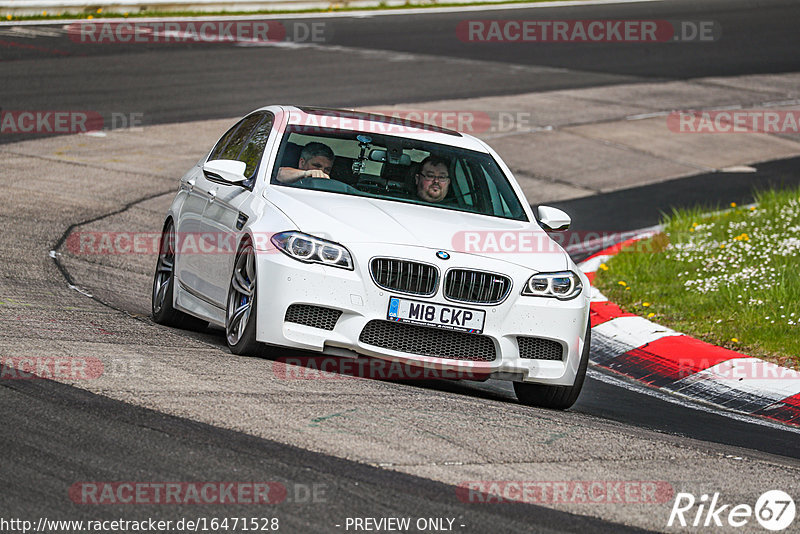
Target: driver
{"points": [[433, 179], [316, 161]]}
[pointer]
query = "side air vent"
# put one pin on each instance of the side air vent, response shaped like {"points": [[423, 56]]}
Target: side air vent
{"points": [[314, 316]]}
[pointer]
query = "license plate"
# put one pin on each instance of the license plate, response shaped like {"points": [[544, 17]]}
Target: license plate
{"points": [[436, 315]]}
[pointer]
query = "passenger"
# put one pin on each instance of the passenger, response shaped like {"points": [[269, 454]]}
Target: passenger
{"points": [[433, 179], [316, 161]]}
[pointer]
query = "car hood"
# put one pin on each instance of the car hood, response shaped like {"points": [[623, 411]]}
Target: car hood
{"points": [[350, 219]]}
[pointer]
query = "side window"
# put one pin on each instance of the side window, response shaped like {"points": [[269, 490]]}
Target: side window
{"points": [[498, 201], [237, 140], [254, 148], [245, 141], [223, 142], [464, 185]]}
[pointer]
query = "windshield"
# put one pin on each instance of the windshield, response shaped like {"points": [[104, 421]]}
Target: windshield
{"points": [[396, 169]]}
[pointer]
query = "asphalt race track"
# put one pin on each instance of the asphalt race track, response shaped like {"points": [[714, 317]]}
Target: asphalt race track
{"points": [[179, 407]]}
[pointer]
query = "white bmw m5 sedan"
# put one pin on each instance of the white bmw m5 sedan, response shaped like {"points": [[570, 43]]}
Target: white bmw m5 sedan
{"points": [[350, 233]]}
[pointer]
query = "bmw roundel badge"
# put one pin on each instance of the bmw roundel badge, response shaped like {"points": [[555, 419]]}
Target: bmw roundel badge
{"points": [[442, 255]]}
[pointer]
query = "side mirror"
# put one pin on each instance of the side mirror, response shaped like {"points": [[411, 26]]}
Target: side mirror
{"points": [[225, 171], [553, 218]]}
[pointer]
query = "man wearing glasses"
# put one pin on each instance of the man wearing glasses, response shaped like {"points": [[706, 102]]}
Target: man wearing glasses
{"points": [[433, 179]]}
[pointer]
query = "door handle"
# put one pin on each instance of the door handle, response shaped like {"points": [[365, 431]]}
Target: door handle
{"points": [[190, 184], [212, 195]]}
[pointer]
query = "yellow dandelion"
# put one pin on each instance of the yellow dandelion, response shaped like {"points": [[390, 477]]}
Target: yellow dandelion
{"points": [[44, 13], [125, 14], [628, 288], [651, 314], [603, 266], [752, 208], [695, 225], [99, 10], [90, 17], [722, 245], [9, 17], [733, 204], [622, 283], [734, 340], [691, 229], [646, 304]]}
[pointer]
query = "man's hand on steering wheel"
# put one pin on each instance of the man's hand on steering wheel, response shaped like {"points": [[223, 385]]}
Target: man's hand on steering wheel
{"points": [[315, 173]]}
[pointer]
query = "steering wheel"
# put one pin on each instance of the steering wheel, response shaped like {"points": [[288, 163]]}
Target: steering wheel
{"points": [[311, 182], [324, 184]]}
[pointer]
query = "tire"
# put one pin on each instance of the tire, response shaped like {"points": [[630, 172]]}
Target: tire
{"points": [[164, 285], [556, 397], [242, 307]]}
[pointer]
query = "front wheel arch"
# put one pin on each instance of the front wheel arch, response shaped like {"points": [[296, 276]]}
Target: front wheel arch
{"points": [[557, 397]]}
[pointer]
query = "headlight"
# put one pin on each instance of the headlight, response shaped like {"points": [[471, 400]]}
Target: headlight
{"points": [[564, 285], [310, 249]]}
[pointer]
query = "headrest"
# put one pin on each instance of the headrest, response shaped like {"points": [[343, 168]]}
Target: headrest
{"points": [[291, 155]]}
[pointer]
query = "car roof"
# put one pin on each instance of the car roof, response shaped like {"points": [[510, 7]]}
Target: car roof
{"points": [[353, 120]]}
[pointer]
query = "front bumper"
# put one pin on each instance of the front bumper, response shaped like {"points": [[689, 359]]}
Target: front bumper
{"points": [[284, 281]]}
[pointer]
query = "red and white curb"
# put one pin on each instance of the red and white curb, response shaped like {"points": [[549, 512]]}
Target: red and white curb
{"points": [[665, 359]]}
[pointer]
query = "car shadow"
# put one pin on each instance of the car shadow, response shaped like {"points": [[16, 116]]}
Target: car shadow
{"points": [[310, 365]]}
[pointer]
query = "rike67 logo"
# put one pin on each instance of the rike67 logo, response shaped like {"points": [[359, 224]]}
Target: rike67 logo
{"points": [[774, 510]]}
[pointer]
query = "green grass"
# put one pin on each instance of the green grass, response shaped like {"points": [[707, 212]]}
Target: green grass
{"points": [[730, 278], [93, 12]]}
